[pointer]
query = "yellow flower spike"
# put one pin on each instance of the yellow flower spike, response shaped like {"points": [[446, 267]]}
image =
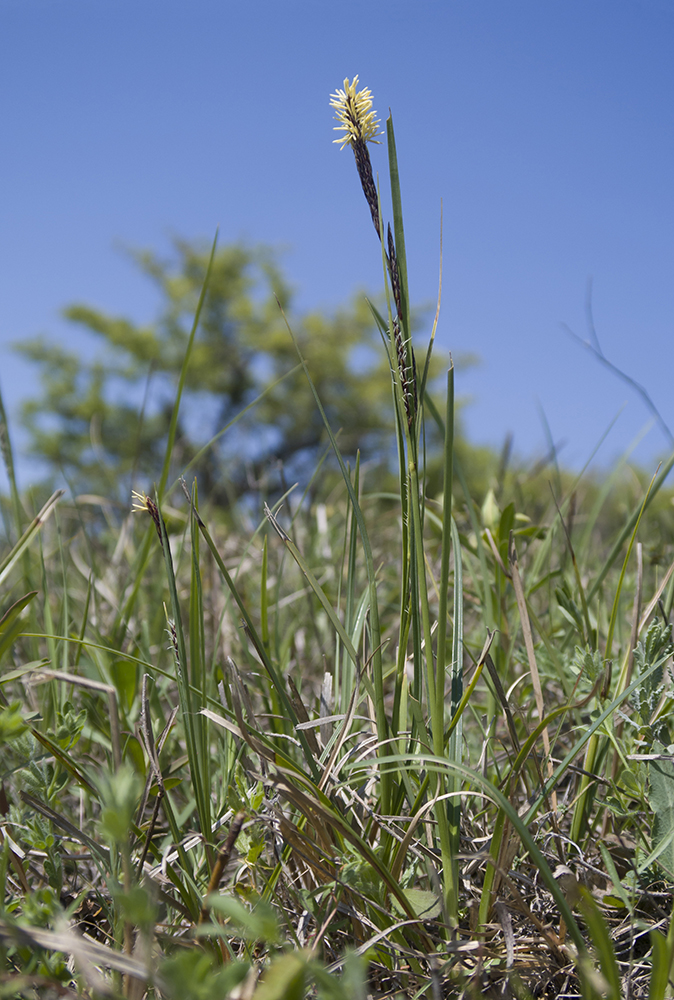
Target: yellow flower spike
{"points": [[357, 120], [142, 502], [138, 501]]}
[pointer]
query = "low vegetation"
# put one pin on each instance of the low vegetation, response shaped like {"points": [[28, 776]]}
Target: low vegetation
{"points": [[400, 730]]}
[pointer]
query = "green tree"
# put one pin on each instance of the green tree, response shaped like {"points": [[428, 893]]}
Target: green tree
{"points": [[103, 423]]}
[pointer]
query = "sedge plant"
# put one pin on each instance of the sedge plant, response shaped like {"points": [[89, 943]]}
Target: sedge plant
{"points": [[371, 745]]}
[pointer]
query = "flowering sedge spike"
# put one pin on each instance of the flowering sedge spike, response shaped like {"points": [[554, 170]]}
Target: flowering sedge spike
{"points": [[359, 124], [142, 502], [357, 120]]}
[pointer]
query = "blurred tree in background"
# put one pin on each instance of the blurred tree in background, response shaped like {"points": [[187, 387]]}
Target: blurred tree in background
{"points": [[103, 423]]}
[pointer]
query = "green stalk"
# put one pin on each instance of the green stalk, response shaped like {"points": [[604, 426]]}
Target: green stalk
{"points": [[446, 524], [176, 632], [198, 667], [347, 677], [653, 489], [375, 629], [264, 596], [173, 425], [582, 802], [259, 646], [8, 459]]}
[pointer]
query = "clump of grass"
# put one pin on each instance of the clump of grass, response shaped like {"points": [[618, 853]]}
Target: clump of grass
{"points": [[413, 744]]}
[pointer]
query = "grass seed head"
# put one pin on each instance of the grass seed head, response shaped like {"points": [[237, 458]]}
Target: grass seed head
{"points": [[142, 502]]}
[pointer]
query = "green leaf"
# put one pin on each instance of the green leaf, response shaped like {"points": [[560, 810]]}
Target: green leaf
{"points": [[124, 676], [661, 798], [11, 624], [12, 723], [661, 962], [602, 943], [284, 979], [425, 904], [258, 924]]}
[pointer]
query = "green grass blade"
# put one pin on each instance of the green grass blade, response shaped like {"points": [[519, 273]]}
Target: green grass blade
{"points": [[177, 637], [398, 228], [8, 459], [173, 425], [475, 778], [602, 943], [579, 820], [561, 768], [251, 632], [377, 666], [198, 674], [448, 480], [12, 557], [629, 526], [661, 962]]}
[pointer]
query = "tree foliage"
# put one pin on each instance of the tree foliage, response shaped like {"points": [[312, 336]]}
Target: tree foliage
{"points": [[103, 423]]}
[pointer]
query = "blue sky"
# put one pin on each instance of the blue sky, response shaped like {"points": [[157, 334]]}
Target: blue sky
{"points": [[543, 126]]}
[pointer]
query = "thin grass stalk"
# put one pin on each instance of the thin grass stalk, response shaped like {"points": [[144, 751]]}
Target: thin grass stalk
{"points": [[376, 660], [407, 421], [427, 363], [20, 551], [602, 943], [621, 580], [455, 748], [542, 553], [587, 734], [435, 687], [474, 778], [33, 529], [657, 482], [95, 646], [486, 895], [487, 600], [173, 425], [198, 675], [405, 564], [177, 639], [408, 588], [446, 525], [406, 446], [267, 662], [449, 535], [344, 683], [583, 800], [53, 701], [661, 962], [65, 602], [8, 460], [85, 619], [398, 228], [322, 597]]}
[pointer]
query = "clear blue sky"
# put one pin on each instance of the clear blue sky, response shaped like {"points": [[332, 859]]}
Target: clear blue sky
{"points": [[545, 126]]}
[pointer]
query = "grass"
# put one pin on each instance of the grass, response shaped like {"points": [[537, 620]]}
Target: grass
{"points": [[390, 745]]}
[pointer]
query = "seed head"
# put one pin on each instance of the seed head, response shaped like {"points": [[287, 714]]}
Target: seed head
{"points": [[356, 119], [142, 502]]}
